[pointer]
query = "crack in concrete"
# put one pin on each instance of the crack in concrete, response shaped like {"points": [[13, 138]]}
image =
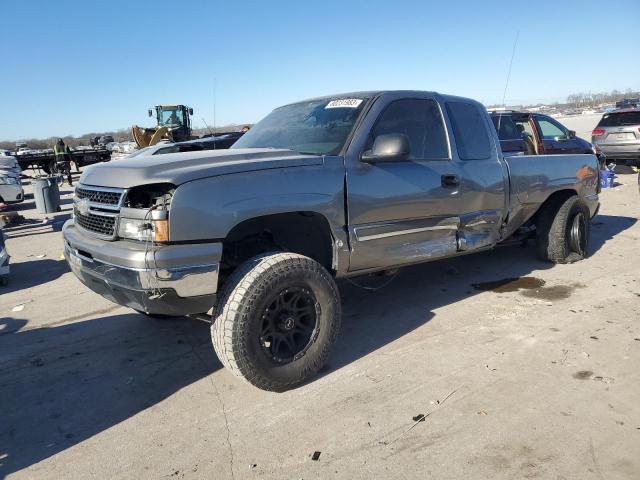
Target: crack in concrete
{"points": [[594, 459], [226, 424], [224, 410]]}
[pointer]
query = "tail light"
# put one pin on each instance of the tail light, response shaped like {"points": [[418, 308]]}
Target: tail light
{"points": [[597, 131]]}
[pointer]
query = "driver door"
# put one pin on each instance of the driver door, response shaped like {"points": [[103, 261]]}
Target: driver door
{"points": [[402, 211]]}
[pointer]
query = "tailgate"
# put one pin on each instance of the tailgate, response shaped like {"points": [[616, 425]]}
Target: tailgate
{"points": [[620, 136]]}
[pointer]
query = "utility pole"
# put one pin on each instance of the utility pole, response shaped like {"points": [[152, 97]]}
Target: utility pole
{"points": [[215, 85]]}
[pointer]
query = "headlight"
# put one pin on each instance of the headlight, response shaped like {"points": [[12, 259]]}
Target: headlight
{"points": [[8, 181], [153, 229], [135, 229]]}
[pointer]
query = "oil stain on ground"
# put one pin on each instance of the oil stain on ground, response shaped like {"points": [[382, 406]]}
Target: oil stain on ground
{"points": [[557, 292], [532, 287], [510, 284]]}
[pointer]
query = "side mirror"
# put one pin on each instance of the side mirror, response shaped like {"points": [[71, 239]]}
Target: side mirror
{"points": [[150, 113], [191, 111], [391, 146], [572, 134]]}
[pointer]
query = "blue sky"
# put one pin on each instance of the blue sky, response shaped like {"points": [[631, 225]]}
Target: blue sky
{"points": [[71, 67]]}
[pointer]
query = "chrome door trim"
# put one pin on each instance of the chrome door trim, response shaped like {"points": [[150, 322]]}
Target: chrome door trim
{"points": [[365, 233]]}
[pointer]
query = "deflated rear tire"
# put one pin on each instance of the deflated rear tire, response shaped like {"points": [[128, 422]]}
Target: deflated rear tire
{"points": [[277, 318], [562, 231]]}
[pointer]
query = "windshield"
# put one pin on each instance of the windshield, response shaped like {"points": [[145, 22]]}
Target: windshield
{"points": [[171, 116], [318, 127]]}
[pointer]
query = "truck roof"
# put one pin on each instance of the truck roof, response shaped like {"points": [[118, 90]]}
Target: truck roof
{"points": [[510, 112], [375, 93]]}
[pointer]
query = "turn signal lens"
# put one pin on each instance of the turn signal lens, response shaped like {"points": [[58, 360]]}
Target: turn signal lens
{"points": [[161, 230], [597, 131]]}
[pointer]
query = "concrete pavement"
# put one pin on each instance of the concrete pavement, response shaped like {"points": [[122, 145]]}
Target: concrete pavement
{"points": [[538, 382]]}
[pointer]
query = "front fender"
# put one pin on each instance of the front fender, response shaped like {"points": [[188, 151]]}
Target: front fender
{"points": [[209, 208]]}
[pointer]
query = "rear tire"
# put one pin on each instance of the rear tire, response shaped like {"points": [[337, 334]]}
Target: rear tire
{"points": [[562, 231], [277, 318]]}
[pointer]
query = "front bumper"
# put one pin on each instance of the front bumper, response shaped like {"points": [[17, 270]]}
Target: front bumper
{"points": [[171, 279]]}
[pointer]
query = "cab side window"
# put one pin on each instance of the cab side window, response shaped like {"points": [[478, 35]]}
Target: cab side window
{"points": [[421, 121], [550, 129], [526, 127], [469, 128]]}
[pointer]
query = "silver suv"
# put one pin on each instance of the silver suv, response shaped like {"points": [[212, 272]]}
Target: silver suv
{"points": [[618, 135]]}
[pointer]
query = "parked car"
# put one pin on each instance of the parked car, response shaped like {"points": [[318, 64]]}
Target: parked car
{"points": [[24, 151], [628, 103], [618, 136], [217, 142], [10, 187], [326, 188], [101, 141], [4, 260], [9, 163], [535, 134]]}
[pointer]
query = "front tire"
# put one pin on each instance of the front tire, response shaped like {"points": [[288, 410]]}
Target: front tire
{"points": [[562, 231], [277, 318]]}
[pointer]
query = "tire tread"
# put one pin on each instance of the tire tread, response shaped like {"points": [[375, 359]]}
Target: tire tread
{"points": [[239, 293], [551, 240]]}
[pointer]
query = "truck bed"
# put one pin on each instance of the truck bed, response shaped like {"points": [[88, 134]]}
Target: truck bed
{"points": [[529, 188]]}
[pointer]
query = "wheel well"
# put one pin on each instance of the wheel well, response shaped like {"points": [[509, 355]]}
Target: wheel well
{"points": [[554, 198], [306, 233]]}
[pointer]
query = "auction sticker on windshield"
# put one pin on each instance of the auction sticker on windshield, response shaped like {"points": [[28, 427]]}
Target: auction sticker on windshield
{"points": [[344, 103]]}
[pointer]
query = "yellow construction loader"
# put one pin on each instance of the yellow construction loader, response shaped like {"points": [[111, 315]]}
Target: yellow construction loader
{"points": [[173, 124]]}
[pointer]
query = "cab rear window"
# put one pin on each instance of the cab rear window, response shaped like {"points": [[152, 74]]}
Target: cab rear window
{"points": [[620, 119]]}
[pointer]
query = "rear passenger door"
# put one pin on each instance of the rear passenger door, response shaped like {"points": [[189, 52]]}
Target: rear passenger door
{"points": [[483, 175]]}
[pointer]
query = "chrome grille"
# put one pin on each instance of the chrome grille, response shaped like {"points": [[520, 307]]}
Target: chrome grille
{"points": [[96, 209], [100, 224], [105, 197]]}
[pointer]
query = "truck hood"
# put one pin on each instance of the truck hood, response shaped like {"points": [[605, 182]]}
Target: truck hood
{"points": [[178, 168]]}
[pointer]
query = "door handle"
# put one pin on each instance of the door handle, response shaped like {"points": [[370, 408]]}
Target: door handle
{"points": [[450, 181]]}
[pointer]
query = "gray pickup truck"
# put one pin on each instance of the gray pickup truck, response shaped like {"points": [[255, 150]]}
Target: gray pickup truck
{"points": [[318, 190]]}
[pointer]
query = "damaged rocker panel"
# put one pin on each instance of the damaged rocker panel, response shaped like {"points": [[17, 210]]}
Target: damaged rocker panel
{"points": [[426, 238]]}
